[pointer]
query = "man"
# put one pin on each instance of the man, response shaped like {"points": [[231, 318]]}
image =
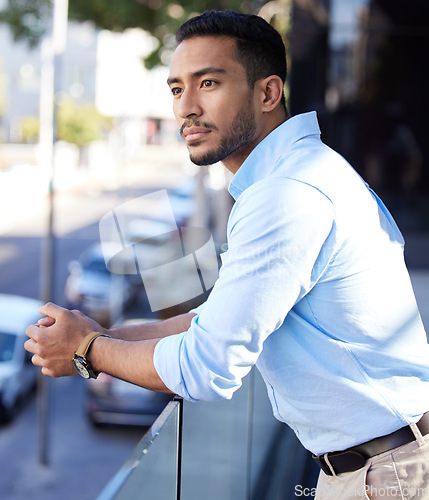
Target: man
{"points": [[313, 288]]}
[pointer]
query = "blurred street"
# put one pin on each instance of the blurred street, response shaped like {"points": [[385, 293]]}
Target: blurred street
{"points": [[78, 209], [83, 87], [83, 459]]}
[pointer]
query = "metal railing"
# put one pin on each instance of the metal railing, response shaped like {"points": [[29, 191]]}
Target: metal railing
{"points": [[229, 450]]}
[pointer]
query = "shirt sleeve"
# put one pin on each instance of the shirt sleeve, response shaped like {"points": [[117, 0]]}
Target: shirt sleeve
{"points": [[279, 244]]}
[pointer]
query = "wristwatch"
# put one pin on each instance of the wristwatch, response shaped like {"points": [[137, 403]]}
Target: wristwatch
{"points": [[81, 364]]}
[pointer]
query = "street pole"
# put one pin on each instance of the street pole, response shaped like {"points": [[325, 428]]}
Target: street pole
{"points": [[52, 48]]}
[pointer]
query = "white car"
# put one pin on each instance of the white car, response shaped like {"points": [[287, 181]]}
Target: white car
{"points": [[18, 376]]}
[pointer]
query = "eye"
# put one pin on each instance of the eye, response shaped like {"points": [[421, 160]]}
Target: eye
{"points": [[176, 91], [208, 84]]}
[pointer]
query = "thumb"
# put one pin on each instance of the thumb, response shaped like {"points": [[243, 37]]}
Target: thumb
{"points": [[46, 321]]}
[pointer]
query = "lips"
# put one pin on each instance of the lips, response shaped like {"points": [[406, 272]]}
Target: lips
{"points": [[193, 134]]}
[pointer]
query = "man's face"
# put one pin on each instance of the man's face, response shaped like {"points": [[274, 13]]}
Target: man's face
{"points": [[213, 103]]}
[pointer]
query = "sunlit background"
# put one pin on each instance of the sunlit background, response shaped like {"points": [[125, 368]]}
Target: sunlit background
{"points": [[86, 126]]}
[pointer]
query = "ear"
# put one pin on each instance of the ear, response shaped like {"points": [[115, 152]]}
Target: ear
{"points": [[271, 92]]}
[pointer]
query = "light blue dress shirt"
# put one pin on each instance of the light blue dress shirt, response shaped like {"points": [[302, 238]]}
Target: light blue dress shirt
{"points": [[313, 289]]}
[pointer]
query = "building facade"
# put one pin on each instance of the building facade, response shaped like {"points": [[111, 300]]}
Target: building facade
{"points": [[362, 65]]}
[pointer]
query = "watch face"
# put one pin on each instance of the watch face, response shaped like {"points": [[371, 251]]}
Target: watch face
{"points": [[79, 364]]}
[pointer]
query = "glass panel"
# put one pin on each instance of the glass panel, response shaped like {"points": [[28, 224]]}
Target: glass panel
{"points": [[232, 450], [225, 443], [214, 462], [151, 471]]}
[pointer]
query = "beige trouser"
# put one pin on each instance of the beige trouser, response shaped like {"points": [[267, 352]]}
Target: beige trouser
{"points": [[402, 473]]}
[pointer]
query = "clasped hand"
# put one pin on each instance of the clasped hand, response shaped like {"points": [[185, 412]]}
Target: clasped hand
{"points": [[56, 337]]}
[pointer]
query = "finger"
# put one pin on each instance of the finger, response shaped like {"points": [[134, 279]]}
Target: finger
{"points": [[38, 361], [47, 372], [58, 370], [30, 345], [42, 363], [52, 310], [33, 332], [46, 322], [53, 369]]}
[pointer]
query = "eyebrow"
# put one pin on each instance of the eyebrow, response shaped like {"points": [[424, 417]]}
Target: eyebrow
{"points": [[197, 74]]}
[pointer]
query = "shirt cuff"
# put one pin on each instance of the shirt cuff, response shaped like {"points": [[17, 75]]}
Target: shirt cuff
{"points": [[167, 364]]}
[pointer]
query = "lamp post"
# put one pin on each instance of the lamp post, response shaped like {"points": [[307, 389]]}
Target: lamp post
{"points": [[52, 48]]}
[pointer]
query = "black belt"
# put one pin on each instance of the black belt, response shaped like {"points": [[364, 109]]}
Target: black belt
{"points": [[338, 462]]}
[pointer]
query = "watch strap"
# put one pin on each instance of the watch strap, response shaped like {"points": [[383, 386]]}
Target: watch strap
{"points": [[86, 343]]}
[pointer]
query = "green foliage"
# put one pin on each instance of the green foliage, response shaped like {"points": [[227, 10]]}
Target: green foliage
{"points": [[158, 17], [30, 126], [151, 15], [80, 124], [29, 19], [77, 124]]}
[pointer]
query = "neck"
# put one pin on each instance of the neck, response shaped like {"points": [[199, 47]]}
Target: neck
{"points": [[234, 161]]}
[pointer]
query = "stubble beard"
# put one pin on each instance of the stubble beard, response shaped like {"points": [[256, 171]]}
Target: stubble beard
{"points": [[241, 133]]}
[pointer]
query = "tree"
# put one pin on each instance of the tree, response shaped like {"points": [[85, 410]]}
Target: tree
{"points": [[29, 19], [30, 128], [77, 124], [80, 124]]}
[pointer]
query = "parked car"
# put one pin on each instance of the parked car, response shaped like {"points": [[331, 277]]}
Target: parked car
{"points": [[94, 290], [111, 401], [18, 376]]}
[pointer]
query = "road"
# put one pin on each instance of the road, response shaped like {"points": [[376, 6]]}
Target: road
{"points": [[71, 438], [81, 459]]}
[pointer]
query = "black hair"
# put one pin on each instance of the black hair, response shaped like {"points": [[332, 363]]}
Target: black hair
{"points": [[260, 48]]}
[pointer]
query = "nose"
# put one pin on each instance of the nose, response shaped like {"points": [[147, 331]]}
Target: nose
{"points": [[187, 105]]}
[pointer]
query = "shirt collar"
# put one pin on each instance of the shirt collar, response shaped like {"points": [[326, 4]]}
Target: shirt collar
{"points": [[265, 155]]}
